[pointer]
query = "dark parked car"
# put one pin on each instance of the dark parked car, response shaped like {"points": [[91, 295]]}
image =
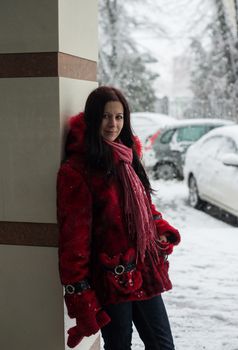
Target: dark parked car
{"points": [[173, 141]]}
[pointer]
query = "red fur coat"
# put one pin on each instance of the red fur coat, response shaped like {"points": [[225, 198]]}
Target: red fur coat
{"points": [[93, 235]]}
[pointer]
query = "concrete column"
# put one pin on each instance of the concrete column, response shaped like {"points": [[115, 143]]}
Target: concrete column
{"points": [[48, 55]]}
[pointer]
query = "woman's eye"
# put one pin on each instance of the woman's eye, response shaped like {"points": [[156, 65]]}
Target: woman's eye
{"points": [[119, 116]]}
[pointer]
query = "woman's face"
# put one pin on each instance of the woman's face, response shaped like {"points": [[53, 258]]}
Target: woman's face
{"points": [[112, 121]]}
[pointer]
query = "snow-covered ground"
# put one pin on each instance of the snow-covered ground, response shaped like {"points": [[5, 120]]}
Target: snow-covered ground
{"points": [[203, 305]]}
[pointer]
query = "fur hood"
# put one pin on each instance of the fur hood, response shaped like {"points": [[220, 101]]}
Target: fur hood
{"points": [[76, 135]]}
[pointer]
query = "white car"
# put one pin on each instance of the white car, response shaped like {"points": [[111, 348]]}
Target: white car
{"points": [[170, 143], [211, 169], [145, 124]]}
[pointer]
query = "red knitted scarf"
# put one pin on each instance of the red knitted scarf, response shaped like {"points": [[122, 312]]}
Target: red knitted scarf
{"points": [[137, 209]]}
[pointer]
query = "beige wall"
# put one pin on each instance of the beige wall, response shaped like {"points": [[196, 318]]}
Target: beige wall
{"points": [[28, 26], [30, 294], [30, 110], [51, 26], [73, 18], [29, 148]]}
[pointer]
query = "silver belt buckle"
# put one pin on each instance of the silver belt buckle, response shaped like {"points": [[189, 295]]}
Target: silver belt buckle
{"points": [[70, 289], [119, 269]]}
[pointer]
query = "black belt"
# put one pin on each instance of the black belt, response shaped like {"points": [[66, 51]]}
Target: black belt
{"points": [[78, 287], [120, 269]]}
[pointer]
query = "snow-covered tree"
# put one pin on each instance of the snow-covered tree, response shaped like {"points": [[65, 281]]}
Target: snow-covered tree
{"points": [[214, 79], [121, 64], [200, 82]]}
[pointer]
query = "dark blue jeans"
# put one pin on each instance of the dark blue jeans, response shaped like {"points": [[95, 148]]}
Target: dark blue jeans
{"points": [[150, 319]]}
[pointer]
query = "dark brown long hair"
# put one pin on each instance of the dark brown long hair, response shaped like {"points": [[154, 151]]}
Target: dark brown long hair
{"points": [[99, 154]]}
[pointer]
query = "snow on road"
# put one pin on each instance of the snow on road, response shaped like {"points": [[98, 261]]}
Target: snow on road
{"points": [[203, 305]]}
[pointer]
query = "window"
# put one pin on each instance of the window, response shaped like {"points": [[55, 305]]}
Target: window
{"points": [[167, 136], [191, 133], [217, 146], [227, 145]]}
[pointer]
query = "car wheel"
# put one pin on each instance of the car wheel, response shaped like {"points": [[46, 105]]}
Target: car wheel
{"points": [[194, 199], [166, 171]]}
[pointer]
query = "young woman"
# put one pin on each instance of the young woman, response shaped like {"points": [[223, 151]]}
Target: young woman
{"points": [[113, 242]]}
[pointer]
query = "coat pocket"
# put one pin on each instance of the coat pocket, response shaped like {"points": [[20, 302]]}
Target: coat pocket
{"points": [[120, 273]]}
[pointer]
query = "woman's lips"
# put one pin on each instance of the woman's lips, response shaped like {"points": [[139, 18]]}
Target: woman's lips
{"points": [[110, 132]]}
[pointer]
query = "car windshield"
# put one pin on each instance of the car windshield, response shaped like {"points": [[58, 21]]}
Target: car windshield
{"points": [[191, 133]]}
